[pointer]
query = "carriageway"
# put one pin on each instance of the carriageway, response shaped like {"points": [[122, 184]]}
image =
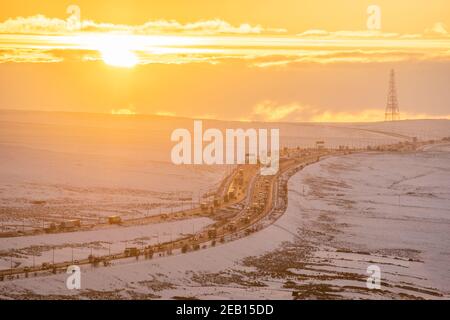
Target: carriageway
{"points": [[258, 202]]}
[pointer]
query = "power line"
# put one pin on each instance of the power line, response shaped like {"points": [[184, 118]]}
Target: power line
{"points": [[392, 109]]}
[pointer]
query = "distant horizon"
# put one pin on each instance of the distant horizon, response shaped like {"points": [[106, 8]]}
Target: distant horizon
{"points": [[136, 114]]}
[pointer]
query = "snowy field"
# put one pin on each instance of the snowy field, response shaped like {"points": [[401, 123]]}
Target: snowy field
{"points": [[58, 166], [344, 214], [29, 250], [52, 186], [70, 166]]}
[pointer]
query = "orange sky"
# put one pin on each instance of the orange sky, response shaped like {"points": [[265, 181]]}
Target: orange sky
{"points": [[296, 15], [248, 60]]}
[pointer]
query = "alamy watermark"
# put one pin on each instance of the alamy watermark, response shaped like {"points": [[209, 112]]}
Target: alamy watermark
{"points": [[73, 281], [74, 19], [374, 280], [238, 147], [374, 19]]}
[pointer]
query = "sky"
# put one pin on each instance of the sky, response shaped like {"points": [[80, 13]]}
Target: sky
{"points": [[285, 60]]}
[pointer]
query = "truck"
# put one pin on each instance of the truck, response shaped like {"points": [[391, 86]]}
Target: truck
{"points": [[217, 202], [204, 206], [232, 226], [70, 224], [132, 252], [245, 219], [114, 220], [212, 233], [51, 228], [232, 193]]}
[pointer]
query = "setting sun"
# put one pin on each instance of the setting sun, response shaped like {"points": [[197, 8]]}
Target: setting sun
{"points": [[117, 57]]}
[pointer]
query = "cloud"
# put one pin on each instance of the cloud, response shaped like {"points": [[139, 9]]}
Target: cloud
{"points": [[166, 114], [28, 56], [220, 51], [438, 29], [368, 115], [41, 24], [323, 34], [208, 27], [272, 111], [123, 112], [42, 39], [350, 56], [34, 25]]}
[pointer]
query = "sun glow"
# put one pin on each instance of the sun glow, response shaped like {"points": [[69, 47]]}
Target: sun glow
{"points": [[118, 57]]}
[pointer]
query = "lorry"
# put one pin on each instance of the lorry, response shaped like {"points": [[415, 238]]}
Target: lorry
{"points": [[132, 252], [217, 202], [114, 220], [204, 206], [70, 224], [212, 233]]}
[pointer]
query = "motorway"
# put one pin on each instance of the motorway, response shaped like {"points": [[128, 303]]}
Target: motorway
{"points": [[258, 202]]}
